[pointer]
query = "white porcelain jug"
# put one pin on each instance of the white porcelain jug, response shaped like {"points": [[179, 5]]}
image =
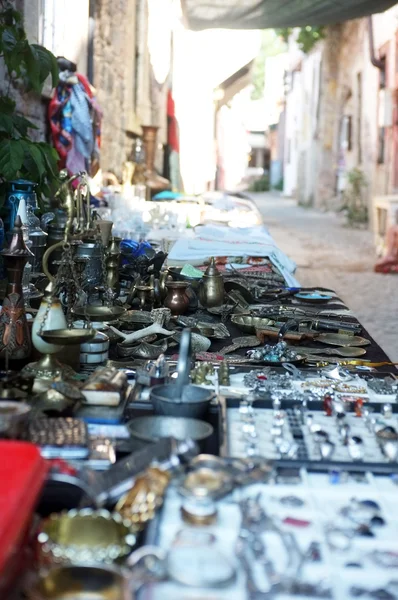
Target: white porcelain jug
{"points": [[51, 313]]}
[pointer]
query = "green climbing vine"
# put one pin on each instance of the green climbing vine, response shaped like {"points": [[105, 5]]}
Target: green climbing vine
{"points": [[307, 36], [354, 201]]}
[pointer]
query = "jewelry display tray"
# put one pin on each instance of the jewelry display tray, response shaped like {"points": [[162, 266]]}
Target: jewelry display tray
{"points": [[307, 457], [357, 565]]}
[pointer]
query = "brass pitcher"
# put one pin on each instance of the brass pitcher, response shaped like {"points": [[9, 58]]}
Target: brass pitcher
{"points": [[211, 291]]}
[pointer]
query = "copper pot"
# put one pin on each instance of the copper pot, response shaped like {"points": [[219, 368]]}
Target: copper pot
{"points": [[177, 299]]}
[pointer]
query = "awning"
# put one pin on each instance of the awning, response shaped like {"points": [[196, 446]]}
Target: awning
{"points": [[264, 14], [235, 84]]}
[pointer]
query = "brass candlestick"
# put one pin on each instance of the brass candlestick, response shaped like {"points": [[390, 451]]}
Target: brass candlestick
{"points": [[14, 333], [113, 265], [154, 182]]}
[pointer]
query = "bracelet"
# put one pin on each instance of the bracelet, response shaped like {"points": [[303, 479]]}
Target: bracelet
{"points": [[84, 536]]}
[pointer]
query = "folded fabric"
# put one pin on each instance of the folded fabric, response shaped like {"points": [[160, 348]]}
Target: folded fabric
{"points": [[227, 241]]}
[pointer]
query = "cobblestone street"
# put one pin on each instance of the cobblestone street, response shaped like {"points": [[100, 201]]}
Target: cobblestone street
{"points": [[330, 255]]}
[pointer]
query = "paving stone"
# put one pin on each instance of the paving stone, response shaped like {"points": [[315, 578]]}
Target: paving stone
{"points": [[331, 255]]}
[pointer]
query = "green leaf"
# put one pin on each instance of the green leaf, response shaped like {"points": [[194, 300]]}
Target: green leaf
{"points": [[32, 68], [33, 154], [46, 190], [14, 57], [6, 124], [7, 106], [9, 40], [47, 64], [10, 16], [51, 157], [22, 125], [11, 158]]}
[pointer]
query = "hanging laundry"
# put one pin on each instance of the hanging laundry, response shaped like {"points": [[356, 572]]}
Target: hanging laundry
{"points": [[75, 121]]}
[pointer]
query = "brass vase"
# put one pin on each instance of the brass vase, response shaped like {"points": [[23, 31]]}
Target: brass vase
{"points": [[154, 182], [211, 292], [105, 228], [15, 342]]}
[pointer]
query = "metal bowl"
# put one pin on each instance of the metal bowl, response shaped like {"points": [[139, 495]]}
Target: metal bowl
{"points": [[142, 350], [193, 403], [67, 337], [153, 428], [135, 319], [81, 583], [250, 324], [99, 313]]}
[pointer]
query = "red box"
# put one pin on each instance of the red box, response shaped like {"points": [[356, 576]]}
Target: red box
{"points": [[22, 475]]}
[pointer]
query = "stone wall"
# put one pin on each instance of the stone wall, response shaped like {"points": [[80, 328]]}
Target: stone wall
{"points": [[114, 68], [349, 90], [123, 78]]}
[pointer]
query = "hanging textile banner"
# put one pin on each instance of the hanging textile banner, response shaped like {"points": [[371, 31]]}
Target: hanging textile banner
{"points": [[264, 14]]}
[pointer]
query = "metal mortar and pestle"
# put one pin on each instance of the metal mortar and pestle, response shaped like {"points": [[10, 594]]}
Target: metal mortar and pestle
{"points": [[180, 398]]}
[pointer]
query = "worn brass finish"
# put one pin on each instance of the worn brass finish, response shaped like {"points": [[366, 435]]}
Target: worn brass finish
{"points": [[154, 182], [250, 324], [99, 313], [76, 582], [139, 505], [67, 337], [86, 536], [113, 265], [341, 339], [48, 367], [105, 228], [211, 292]]}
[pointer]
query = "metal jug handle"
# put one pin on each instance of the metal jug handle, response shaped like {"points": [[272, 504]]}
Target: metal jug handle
{"points": [[184, 361], [46, 219]]}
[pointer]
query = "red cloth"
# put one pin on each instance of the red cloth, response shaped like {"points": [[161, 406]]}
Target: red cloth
{"points": [[389, 263], [172, 130]]}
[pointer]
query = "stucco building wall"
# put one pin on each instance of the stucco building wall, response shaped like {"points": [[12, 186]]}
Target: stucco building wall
{"points": [[346, 109]]}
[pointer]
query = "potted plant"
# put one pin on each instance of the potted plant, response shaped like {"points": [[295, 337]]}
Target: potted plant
{"points": [[27, 68]]}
